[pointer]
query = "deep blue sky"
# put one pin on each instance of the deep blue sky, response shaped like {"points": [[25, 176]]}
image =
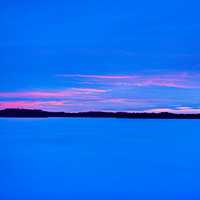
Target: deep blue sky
{"points": [[43, 42]]}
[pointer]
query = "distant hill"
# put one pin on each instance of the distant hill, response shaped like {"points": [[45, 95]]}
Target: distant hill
{"points": [[28, 113]]}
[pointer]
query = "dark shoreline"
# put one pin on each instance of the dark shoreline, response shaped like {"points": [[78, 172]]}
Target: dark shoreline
{"points": [[28, 113]]}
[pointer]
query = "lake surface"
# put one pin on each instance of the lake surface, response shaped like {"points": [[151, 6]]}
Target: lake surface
{"points": [[66, 159]]}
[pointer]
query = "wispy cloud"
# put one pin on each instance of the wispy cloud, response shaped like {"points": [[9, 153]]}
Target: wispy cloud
{"points": [[180, 110], [70, 99], [100, 103], [98, 106], [180, 80], [30, 104], [95, 76], [137, 92], [53, 93]]}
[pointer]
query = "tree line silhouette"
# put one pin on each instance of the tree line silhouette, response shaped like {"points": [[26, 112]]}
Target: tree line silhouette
{"points": [[30, 113]]}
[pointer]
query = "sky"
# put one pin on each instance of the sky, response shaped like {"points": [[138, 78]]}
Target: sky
{"points": [[89, 55]]}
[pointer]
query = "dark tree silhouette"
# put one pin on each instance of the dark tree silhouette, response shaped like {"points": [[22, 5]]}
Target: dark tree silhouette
{"points": [[29, 113]]}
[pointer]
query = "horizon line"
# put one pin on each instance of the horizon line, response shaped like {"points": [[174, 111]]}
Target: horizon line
{"points": [[102, 111]]}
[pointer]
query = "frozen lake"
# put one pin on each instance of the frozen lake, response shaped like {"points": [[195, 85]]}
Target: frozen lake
{"points": [[67, 158]]}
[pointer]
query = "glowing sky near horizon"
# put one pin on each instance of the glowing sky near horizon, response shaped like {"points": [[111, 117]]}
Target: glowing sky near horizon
{"points": [[100, 55]]}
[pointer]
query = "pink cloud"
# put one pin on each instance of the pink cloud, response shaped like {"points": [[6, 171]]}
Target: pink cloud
{"points": [[176, 80], [23, 104], [126, 101], [89, 90], [96, 76], [71, 105], [52, 94], [162, 81], [111, 92], [179, 110]]}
